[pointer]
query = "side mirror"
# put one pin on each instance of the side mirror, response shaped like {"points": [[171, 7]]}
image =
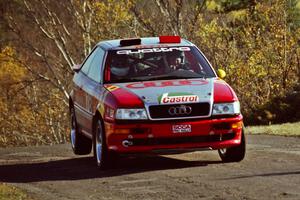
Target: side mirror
{"points": [[221, 73], [76, 68]]}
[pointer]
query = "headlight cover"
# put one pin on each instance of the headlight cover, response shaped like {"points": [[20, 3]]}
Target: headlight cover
{"points": [[226, 108], [131, 114]]}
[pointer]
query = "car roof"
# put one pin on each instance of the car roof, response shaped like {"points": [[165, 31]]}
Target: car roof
{"points": [[147, 41]]}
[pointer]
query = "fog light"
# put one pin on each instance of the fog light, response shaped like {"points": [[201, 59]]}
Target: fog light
{"points": [[237, 125], [122, 131]]}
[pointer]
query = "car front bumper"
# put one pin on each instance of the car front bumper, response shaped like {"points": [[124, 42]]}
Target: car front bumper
{"points": [[152, 136]]}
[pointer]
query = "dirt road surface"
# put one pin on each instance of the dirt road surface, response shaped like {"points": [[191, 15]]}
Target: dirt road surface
{"points": [[271, 170]]}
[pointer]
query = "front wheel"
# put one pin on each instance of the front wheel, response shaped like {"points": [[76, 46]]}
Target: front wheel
{"points": [[234, 154], [99, 145]]}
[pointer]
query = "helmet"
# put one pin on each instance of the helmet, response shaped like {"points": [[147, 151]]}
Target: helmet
{"points": [[119, 66], [176, 56], [176, 60], [122, 71]]}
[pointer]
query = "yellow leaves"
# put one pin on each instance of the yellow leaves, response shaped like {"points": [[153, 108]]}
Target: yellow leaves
{"points": [[213, 5], [10, 70], [255, 58], [212, 27], [275, 86], [298, 5], [7, 51], [13, 108], [210, 30], [238, 15], [112, 14], [231, 66]]}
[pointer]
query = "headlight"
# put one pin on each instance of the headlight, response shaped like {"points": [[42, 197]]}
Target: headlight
{"points": [[226, 108], [131, 114]]}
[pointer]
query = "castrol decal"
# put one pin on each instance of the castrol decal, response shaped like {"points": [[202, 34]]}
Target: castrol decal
{"points": [[173, 98]]}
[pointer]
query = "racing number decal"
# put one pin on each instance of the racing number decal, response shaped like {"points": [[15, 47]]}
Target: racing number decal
{"points": [[112, 88]]}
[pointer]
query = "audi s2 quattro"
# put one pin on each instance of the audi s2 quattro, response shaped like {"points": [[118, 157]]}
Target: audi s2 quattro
{"points": [[152, 95]]}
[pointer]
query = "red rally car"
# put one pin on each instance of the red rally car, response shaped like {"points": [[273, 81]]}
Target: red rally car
{"points": [[152, 94]]}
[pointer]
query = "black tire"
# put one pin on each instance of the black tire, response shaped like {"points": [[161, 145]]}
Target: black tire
{"points": [[81, 145], [101, 154], [234, 154]]}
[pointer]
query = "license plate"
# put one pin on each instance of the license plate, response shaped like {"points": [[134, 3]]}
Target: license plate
{"points": [[183, 128]]}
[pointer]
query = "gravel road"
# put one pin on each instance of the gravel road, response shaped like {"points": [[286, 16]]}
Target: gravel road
{"points": [[271, 170]]}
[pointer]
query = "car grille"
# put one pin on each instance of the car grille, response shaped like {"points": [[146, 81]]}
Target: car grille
{"points": [[162, 111], [180, 140]]}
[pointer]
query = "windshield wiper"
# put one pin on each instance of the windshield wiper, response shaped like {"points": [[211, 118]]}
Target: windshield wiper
{"points": [[173, 76], [170, 76], [166, 78], [124, 80]]}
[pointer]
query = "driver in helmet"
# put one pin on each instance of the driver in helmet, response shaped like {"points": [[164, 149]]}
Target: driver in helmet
{"points": [[119, 67], [177, 60]]}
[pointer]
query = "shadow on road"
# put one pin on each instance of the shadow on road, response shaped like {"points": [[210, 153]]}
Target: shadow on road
{"points": [[264, 175], [84, 168]]}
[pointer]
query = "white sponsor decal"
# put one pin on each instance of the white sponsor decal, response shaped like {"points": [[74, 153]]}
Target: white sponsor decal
{"points": [[153, 50], [184, 128], [165, 99]]}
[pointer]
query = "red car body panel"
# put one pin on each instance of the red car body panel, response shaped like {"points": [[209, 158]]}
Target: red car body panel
{"points": [[124, 98], [223, 92], [163, 130]]}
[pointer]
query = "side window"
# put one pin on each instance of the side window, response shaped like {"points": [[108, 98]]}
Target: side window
{"points": [[95, 69], [86, 66]]}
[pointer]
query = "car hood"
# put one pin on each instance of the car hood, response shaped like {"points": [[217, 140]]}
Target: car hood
{"points": [[164, 91]]}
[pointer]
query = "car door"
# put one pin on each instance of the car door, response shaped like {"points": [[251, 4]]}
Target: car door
{"points": [[93, 89], [80, 101]]}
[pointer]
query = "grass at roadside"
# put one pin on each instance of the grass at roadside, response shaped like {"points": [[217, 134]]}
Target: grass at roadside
{"points": [[8, 192], [287, 129]]}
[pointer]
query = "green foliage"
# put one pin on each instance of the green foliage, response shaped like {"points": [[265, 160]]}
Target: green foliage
{"points": [[278, 109], [227, 5], [293, 20]]}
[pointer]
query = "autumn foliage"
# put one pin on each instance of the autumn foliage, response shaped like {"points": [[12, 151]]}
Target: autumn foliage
{"points": [[257, 43]]}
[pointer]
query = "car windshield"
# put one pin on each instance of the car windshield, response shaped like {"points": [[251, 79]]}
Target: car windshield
{"points": [[158, 63]]}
